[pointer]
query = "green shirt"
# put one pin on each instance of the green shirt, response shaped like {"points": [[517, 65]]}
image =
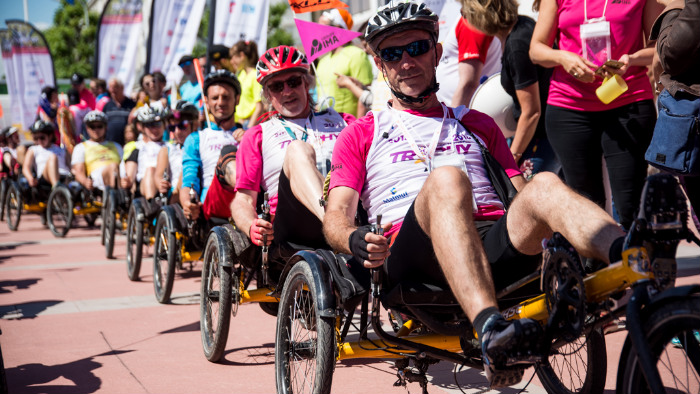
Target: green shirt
{"points": [[250, 95], [351, 61]]}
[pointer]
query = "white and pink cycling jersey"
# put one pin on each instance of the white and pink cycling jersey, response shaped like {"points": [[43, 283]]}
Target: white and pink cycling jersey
{"points": [[148, 157], [374, 157], [261, 154]]}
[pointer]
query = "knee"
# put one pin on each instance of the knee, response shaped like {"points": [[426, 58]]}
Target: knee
{"points": [[53, 159], [447, 181], [299, 150]]}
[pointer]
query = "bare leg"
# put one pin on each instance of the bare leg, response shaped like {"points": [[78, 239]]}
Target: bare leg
{"points": [[546, 204], [109, 173], [230, 173], [305, 180], [148, 187], [51, 170], [443, 210]]}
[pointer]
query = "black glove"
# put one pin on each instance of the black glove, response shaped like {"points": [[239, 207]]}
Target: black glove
{"points": [[358, 245]]}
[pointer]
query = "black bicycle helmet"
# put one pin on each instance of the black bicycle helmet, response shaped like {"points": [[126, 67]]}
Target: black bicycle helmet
{"points": [[400, 15], [185, 110], [95, 116], [222, 76], [41, 126]]}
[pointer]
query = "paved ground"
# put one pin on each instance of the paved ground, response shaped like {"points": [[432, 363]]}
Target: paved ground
{"points": [[73, 323]]}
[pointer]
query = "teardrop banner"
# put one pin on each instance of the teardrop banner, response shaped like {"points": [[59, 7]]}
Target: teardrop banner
{"points": [[302, 6]]}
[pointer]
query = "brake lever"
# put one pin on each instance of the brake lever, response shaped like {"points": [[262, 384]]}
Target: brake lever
{"points": [[266, 216], [376, 272]]}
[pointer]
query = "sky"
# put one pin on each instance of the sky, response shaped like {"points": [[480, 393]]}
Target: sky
{"points": [[40, 11]]}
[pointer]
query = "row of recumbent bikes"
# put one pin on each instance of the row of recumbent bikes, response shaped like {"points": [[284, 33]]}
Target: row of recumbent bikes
{"points": [[329, 310]]}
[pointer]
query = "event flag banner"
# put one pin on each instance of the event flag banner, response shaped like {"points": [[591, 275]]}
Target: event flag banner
{"points": [[117, 41], [302, 6], [12, 86], [319, 39], [32, 70], [241, 20], [173, 33]]}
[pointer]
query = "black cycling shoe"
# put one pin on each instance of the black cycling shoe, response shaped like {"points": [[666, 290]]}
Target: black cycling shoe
{"points": [[508, 347]]}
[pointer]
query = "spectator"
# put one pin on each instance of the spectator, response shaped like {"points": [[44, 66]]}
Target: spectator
{"points": [[48, 107], [78, 110], [86, 97], [678, 48], [346, 60], [469, 57], [244, 55], [190, 89], [160, 85], [525, 82], [98, 88], [220, 57], [582, 129], [13, 153], [117, 111]]}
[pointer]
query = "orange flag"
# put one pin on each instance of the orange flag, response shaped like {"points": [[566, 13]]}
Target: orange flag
{"points": [[301, 6]]}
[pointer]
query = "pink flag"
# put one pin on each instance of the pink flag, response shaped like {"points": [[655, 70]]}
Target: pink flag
{"points": [[319, 39]]}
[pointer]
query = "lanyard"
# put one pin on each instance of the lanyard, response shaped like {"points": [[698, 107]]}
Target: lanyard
{"points": [[585, 10], [304, 131], [426, 155]]}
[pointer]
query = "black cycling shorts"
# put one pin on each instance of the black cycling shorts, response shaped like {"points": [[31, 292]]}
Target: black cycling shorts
{"points": [[293, 222], [413, 259]]}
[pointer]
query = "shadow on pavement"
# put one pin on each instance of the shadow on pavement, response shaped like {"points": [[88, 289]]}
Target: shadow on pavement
{"points": [[186, 328], [28, 310], [21, 284], [251, 355], [14, 245], [33, 378]]}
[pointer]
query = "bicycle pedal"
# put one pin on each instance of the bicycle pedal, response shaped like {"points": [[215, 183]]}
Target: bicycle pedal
{"points": [[663, 203], [504, 378]]}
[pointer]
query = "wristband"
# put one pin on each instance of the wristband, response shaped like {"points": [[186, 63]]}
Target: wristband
{"points": [[357, 243]]}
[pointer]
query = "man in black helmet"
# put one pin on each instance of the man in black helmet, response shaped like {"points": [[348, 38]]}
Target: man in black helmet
{"points": [[419, 164], [212, 151]]}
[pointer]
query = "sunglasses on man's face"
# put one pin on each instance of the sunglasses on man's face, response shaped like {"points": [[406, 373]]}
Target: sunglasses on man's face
{"points": [[153, 125], [185, 64], [292, 82], [96, 126], [181, 125], [416, 48]]}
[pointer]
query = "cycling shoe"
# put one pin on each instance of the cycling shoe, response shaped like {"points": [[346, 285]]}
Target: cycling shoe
{"points": [[508, 347]]}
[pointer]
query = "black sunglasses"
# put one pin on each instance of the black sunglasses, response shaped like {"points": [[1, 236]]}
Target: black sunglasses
{"points": [[416, 48], [153, 125], [180, 125], [292, 82], [96, 126]]}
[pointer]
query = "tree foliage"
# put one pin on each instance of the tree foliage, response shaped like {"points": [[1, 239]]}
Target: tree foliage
{"points": [[275, 35], [72, 43]]}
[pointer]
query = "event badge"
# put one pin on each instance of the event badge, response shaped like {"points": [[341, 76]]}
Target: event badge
{"points": [[595, 40]]}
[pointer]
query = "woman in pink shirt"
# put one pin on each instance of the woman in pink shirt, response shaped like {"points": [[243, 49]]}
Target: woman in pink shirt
{"points": [[581, 128]]}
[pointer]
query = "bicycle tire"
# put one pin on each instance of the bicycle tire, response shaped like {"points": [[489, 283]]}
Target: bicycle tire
{"points": [[110, 222], [216, 299], [103, 215], [59, 211], [165, 250], [588, 351], [679, 318], [3, 191], [134, 245], [304, 341], [13, 206]]}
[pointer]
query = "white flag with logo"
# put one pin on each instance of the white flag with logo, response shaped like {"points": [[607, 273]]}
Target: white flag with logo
{"points": [[241, 20], [118, 39], [32, 69], [173, 34]]}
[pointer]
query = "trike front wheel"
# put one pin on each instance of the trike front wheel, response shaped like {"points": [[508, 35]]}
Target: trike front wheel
{"points": [[305, 341]]}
